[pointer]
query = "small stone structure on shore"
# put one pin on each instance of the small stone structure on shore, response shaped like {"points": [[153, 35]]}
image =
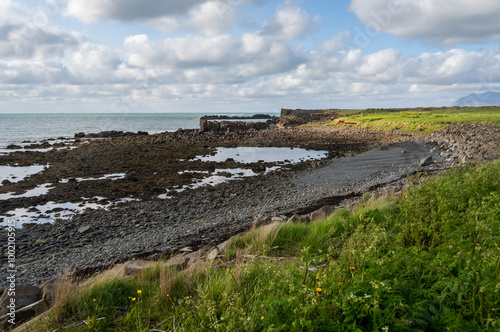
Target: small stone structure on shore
{"points": [[288, 117]]}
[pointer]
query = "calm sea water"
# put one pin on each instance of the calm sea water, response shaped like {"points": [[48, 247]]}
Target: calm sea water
{"points": [[15, 128]]}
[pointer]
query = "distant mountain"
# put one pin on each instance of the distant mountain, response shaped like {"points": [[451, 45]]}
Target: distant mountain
{"points": [[489, 98]]}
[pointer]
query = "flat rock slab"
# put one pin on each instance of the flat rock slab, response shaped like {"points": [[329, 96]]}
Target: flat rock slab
{"points": [[382, 165]]}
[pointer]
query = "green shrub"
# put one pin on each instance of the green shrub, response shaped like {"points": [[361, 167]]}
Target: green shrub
{"points": [[428, 261]]}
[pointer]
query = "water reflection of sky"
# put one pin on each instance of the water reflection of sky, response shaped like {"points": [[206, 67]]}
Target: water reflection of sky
{"points": [[18, 173], [49, 211], [267, 154]]}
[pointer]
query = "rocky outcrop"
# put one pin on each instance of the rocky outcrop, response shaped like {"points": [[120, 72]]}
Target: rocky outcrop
{"points": [[26, 303], [231, 126], [226, 117], [299, 116], [110, 133], [465, 142]]}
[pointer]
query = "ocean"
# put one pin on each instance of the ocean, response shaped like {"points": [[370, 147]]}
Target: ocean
{"points": [[15, 128]]}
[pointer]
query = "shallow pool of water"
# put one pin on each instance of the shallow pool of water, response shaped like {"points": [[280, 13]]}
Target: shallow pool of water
{"points": [[37, 191], [18, 173], [114, 176], [246, 154], [219, 176], [50, 211]]}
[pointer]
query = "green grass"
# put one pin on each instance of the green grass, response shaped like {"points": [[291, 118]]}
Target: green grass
{"points": [[426, 261], [417, 120]]}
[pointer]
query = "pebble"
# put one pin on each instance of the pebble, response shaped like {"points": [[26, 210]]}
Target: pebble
{"points": [[142, 229]]}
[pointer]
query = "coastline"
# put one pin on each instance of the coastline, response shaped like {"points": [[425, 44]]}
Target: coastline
{"points": [[208, 215]]}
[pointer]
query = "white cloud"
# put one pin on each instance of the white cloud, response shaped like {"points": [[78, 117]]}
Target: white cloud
{"points": [[25, 36], [208, 17], [336, 43], [181, 52], [21, 72], [95, 63], [262, 65], [456, 66], [290, 22], [276, 57], [212, 17], [383, 66], [254, 43], [444, 22], [130, 10]]}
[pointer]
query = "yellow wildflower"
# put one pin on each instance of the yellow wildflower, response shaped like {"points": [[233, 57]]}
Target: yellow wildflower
{"points": [[318, 290], [133, 299], [262, 318], [139, 291]]}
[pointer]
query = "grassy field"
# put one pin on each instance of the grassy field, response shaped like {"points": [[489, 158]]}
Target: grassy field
{"points": [[426, 261], [416, 119]]}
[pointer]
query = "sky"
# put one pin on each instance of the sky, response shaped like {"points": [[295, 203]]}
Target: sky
{"points": [[244, 55]]}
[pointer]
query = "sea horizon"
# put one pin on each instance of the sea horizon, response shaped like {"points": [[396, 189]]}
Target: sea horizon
{"points": [[18, 127]]}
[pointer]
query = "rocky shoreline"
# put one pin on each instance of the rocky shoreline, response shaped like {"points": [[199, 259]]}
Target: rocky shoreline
{"points": [[209, 215]]}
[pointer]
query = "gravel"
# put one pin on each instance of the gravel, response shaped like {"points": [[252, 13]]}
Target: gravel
{"points": [[97, 239]]}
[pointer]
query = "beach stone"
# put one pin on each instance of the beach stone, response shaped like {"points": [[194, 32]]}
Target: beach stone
{"points": [[25, 295], [425, 161], [322, 213], [222, 246], [83, 229], [131, 176], [194, 257], [49, 289], [212, 254], [131, 268], [259, 168], [24, 314], [299, 218], [278, 219], [178, 262]]}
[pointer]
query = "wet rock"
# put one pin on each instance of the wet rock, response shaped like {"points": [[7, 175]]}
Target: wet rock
{"points": [[131, 176], [259, 168]]}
